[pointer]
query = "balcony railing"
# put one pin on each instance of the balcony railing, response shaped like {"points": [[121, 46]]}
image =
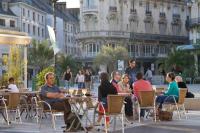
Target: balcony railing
{"points": [[194, 21], [162, 14], [176, 16], [133, 11], [146, 36], [113, 9], [117, 34], [9, 28], [90, 9], [148, 13]]}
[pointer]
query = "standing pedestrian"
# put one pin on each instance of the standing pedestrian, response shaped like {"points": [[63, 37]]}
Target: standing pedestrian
{"points": [[67, 76], [88, 79], [80, 79], [148, 75]]}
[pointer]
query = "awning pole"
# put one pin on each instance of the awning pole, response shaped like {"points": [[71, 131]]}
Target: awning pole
{"points": [[25, 66]]}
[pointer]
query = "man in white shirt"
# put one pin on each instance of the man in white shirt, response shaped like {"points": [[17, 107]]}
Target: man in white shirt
{"points": [[149, 75], [12, 87]]}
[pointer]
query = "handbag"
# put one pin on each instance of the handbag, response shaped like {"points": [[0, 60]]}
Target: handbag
{"points": [[165, 115]]}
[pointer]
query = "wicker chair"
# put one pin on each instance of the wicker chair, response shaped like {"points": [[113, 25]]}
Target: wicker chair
{"points": [[13, 104], [40, 110], [3, 109], [180, 103], [147, 101], [115, 108]]}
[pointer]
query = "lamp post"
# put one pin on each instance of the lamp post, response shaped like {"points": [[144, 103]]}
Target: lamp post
{"points": [[54, 28]]}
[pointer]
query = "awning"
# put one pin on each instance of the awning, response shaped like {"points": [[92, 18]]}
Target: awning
{"points": [[14, 37], [188, 47]]}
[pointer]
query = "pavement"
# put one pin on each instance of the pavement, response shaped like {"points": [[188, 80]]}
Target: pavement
{"points": [[190, 125]]}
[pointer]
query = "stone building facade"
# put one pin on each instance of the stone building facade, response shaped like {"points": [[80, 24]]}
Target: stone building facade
{"points": [[147, 28]]}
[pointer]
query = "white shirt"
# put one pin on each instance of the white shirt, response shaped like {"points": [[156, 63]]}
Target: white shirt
{"points": [[80, 78], [149, 74], [13, 88]]}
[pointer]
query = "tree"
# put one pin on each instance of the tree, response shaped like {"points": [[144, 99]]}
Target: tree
{"points": [[40, 55], [182, 59], [109, 56], [67, 61]]}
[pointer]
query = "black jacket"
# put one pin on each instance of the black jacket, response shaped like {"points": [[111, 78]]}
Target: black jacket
{"points": [[105, 89]]}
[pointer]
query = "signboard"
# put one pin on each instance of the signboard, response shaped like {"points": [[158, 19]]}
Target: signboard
{"points": [[120, 65]]}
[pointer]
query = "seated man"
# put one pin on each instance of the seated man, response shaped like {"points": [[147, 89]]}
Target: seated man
{"points": [[141, 85], [12, 86], [52, 95]]}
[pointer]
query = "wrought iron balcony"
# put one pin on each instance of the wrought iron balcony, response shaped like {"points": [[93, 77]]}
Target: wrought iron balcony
{"points": [[194, 22], [90, 9], [113, 9], [146, 36], [176, 16], [148, 13], [162, 14], [133, 11], [115, 34]]}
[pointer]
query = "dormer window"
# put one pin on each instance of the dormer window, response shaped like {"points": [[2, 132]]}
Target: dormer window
{"points": [[5, 6]]}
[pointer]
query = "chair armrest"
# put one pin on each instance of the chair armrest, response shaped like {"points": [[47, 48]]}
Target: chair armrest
{"points": [[45, 103]]}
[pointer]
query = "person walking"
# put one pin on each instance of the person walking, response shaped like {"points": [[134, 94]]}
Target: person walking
{"points": [[148, 75], [80, 79], [88, 79], [67, 76]]}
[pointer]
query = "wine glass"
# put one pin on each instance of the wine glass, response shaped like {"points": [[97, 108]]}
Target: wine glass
{"points": [[84, 91], [71, 92]]}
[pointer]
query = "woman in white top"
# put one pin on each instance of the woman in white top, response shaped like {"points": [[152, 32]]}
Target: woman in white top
{"points": [[80, 79], [12, 86]]}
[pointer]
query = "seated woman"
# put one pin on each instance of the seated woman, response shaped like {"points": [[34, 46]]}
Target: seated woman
{"points": [[125, 88], [141, 85], [171, 92], [105, 88], [182, 84]]}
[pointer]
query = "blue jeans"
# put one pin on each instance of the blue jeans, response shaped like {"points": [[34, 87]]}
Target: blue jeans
{"points": [[167, 99], [67, 84], [81, 85]]}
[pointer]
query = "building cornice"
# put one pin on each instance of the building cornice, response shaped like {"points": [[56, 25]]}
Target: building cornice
{"points": [[22, 3]]}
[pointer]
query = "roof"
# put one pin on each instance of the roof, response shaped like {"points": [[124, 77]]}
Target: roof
{"points": [[44, 6], [9, 12]]}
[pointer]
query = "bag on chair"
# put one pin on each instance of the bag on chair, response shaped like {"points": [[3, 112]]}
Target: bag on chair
{"points": [[74, 123], [165, 115]]}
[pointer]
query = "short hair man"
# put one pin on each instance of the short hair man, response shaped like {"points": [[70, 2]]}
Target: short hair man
{"points": [[52, 94], [116, 77], [131, 71], [12, 86]]}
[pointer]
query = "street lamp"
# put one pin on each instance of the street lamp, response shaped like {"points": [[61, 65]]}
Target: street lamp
{"points": [[54, 28]]}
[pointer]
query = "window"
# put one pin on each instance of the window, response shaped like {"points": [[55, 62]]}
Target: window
{"points": [[42, 32], [33, 16], [23, 12], [148, 27], [38, 17], [176, 29], [24, 27], [28, 13], [38, 31], [176, 9], [162, 28], [71, 29], [12, 23], [28, 28], [33, 30], [2, 22], [147, 7]]}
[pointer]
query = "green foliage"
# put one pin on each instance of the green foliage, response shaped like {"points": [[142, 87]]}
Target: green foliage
{"points": [[182, 59], [109, 56], [14, 64], [64, 61], [40, 76], [40, 55]]}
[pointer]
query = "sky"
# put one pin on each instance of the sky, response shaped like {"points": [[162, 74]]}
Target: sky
{"points": [[71, 3]]}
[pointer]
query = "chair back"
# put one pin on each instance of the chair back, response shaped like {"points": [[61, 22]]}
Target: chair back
{"points": [[13, 100], [115, 104], [182, 94], [146, 98]]}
